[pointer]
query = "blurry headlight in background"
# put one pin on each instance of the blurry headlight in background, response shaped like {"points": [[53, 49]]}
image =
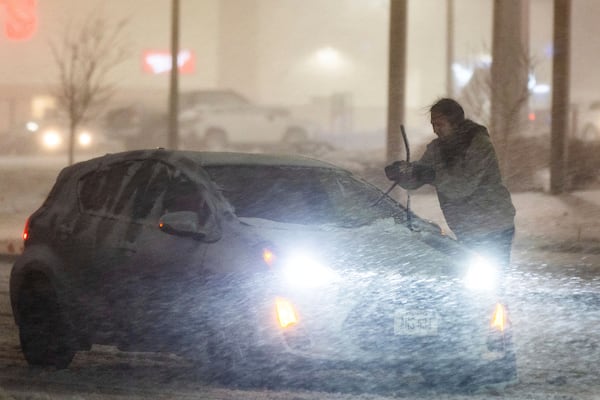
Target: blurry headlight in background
{"points": [[51, 139], [85, 139], [32, 126], [304, 271], [482, 274]]}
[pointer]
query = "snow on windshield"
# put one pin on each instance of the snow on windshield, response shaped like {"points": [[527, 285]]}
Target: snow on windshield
{"points": [[301, 195]]}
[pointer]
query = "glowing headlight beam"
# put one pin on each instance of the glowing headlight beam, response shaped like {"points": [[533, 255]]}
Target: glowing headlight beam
{"points": [[481, 274], [305, 272]]}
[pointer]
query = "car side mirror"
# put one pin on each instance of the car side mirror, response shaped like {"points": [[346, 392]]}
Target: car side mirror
{"points": [[185, 223]]}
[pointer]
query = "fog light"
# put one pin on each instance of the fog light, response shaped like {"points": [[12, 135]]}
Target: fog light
{"points": [[286, 314], [499, 320]]}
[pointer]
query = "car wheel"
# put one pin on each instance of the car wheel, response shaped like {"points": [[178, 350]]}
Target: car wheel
{"points": [[295, 135], [215, 139], [44, 334]]}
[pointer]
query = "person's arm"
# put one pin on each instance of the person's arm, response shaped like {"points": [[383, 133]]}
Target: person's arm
{"points": [[412, 175], [465, 177]]}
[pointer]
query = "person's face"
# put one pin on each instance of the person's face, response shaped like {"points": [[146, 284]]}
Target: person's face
{"points": [[441, 126]]}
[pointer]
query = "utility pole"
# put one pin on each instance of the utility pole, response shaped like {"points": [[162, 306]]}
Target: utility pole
{"points": [[560, 95], [509, 75], [449, 47], [396, 77], [173, 142]]}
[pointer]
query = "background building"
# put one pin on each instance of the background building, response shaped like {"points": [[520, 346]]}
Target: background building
{"points": [[327, 60]]}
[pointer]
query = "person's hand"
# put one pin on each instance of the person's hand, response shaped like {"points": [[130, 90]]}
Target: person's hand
{"points": [[398, 170]]}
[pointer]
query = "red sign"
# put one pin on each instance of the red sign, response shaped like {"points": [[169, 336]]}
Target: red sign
{"points": [[21, 18], [158, 62]]}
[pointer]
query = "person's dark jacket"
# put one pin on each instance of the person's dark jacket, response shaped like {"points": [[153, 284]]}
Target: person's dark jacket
{"points": [[467, 178]]}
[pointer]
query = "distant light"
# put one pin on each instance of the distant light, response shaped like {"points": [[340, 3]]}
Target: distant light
{"points": [[85, 139], [32, 126], [328, 57], [462, 74], [531, 116], [541, 89], [21, 19], [158, 62], [52, 139]]}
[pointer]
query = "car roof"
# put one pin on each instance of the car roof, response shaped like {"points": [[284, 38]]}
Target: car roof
{"points": [[186, 158]]}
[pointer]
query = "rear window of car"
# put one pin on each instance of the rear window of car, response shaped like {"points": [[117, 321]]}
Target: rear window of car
{"points": [[305, 195]]}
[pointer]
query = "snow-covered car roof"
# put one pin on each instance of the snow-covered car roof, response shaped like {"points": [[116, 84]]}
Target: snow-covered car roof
{"points": [[205, 159]]}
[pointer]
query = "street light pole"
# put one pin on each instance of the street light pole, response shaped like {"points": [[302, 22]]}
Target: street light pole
{"points": [[173, 142], [560, 96], [396, 77], [449, 47]]}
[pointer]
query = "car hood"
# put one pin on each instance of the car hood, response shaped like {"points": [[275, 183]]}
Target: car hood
{"points": [[383, 247]]}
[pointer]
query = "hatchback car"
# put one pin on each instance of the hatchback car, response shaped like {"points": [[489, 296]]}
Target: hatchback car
{"points": [[244, 262]]}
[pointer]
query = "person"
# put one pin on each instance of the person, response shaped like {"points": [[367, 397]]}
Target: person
{"points": [[461, 164]]}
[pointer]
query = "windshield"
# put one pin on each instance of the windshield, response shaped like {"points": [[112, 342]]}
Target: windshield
{"points": [[302, 195]]}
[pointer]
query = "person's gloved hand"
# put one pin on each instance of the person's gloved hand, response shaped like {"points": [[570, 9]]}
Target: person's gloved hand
{"points": [[398, 170]]}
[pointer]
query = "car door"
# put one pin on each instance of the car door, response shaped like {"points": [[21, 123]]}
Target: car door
{"points": [[97, 192], [153, 271]]}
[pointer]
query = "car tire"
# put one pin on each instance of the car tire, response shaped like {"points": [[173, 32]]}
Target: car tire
{"points": [[44, 333]]}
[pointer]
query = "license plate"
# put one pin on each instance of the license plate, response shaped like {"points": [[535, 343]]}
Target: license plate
{"points": [[415, 322]]}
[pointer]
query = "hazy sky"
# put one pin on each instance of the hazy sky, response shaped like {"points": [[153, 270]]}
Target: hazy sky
{"points": [[290, 34]]}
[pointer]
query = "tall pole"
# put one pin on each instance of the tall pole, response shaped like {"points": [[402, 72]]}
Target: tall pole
{"points": [[173, 142], [560, 95], [449, 47], [396, 77]]}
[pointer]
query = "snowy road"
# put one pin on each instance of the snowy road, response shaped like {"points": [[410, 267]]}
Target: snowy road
{"points": [[558, 345]]}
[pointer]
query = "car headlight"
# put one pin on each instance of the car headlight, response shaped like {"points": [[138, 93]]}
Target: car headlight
{"points": [[482, 274], [304, 271], [85, 139], [51, 139]]}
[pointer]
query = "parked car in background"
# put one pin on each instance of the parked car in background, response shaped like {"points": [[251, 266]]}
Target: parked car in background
{"points": [[589, 123], [215, 119], [252, 265], [136, 126]]}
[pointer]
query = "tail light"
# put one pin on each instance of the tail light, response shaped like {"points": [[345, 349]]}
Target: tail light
{"points": [[26, 231]]}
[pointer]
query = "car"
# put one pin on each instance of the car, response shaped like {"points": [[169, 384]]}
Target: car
{"points": [[136, 126], [251, 265], [50, 137], [217, 119]]}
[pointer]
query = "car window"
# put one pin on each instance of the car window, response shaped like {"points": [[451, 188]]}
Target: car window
{"points": [[185, 195], [300, 195], [99, 189], [131, 189]]}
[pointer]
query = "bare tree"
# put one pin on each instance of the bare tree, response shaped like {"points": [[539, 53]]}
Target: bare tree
{"points": [[85, 53]]}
